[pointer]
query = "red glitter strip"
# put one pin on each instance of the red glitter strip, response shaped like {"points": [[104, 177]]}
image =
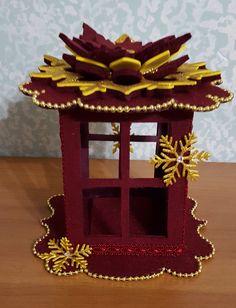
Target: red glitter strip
{"points": [[131, 250]]}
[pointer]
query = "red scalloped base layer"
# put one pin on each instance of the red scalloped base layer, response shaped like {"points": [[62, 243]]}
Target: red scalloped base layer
{"points": [[186, 264]]}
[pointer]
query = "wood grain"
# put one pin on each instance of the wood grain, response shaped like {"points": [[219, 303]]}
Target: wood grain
{"points": [[25, 185]]}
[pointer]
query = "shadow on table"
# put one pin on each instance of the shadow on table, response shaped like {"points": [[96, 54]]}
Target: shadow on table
{"points": [[29, 131]]}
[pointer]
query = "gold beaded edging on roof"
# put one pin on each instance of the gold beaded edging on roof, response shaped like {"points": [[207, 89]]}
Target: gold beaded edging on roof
{"points": [[171, 103], [130, 278]]}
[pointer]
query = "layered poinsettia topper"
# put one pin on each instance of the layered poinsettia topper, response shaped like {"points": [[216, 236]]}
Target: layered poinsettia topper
{"points": [[125, 76]]}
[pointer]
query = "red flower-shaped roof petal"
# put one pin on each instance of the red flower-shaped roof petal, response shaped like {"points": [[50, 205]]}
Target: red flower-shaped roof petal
{"points": [[125, 76]]}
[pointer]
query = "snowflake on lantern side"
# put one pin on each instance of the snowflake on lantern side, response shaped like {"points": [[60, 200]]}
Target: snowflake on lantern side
{"points": [[116, 145], [62, 254], [179, 153]]}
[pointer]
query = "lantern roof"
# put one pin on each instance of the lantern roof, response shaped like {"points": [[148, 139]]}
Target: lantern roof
{"points": [[125, 76]]}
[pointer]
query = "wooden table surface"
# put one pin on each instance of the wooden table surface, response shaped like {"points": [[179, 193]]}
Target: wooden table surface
{"points": [[25, 185]]}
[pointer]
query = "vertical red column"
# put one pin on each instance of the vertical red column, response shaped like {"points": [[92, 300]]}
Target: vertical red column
{"points": [[162, 129], [71, 157], [124, 166], [84, 151], [177, 193]]}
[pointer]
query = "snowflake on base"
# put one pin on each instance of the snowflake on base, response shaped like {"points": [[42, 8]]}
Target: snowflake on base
{"points": [[63, 255], [179, 153]]}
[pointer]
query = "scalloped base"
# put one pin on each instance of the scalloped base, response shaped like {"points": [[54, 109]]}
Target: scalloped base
{"points": [[127, 267]]}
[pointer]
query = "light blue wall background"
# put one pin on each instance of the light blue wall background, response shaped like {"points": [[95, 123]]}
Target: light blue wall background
{"points": [[29, 29]]}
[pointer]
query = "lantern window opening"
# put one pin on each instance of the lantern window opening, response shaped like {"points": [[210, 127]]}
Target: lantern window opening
{"points": [[148, 211], [102, 210]]}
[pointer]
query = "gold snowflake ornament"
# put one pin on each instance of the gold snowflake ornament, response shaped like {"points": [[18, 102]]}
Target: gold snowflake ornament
{"points": [[176, 154], [62, 255], [116, 131], [116, 145]]}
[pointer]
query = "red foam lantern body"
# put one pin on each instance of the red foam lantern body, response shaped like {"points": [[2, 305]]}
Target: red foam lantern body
{"points": [[125, 228], [135, 226]]}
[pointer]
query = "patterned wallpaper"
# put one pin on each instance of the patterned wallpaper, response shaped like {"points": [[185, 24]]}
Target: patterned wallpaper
{"points": [[30, 28]]}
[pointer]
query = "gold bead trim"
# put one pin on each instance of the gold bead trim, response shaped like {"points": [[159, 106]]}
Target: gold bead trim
{"points": [[171, 103], [44, 104], [131, 278]]}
